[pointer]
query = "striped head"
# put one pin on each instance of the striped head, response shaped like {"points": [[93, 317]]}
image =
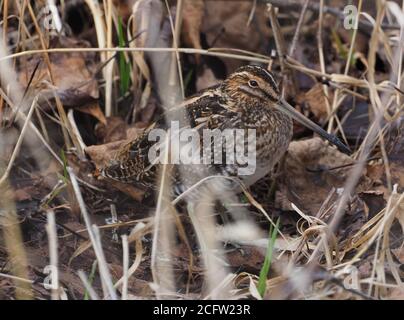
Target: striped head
{"points": [[252, 85]]}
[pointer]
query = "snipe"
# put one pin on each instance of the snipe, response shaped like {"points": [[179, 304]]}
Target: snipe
{"points": [[248, 99]]}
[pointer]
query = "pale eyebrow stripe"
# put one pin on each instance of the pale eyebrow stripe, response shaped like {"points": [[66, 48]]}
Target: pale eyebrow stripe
{"points": [[271, 77], [244, 73], [268, 73]]}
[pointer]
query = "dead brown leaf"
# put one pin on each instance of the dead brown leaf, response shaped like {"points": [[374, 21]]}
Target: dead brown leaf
{"points": [[249, 260], [102, 154], [72, 78], [94, 110], [113, 134], [69, 76], [226, 26], [315, 99], [307, 178], [113, 130]]}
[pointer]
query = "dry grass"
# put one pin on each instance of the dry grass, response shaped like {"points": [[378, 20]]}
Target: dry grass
{"points": [[315, 264]]}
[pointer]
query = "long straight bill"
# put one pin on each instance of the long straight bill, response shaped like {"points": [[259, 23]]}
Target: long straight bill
{"points": [[296, 115]]}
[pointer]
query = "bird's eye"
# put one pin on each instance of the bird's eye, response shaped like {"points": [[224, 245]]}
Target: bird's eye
{"points": [[253, 83]]}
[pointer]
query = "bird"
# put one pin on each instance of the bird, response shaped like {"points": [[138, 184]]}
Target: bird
{"points": [[248, 99]]}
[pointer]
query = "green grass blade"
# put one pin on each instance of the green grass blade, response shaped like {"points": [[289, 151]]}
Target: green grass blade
{"points": [[262, 282], [64, 160], [124, 67], [91, 279]]}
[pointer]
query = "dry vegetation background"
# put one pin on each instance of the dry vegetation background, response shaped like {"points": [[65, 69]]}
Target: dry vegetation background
{"points": [[75, 88]]}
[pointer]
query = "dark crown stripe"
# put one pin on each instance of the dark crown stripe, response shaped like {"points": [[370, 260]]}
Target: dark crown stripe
{"points": [[262, 73]]}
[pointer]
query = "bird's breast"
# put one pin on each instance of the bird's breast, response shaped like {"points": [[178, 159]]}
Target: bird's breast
{"points": [[274, 131]]}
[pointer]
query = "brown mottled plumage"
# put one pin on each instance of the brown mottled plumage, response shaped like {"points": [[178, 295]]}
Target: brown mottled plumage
{"points": [[248, 99]]}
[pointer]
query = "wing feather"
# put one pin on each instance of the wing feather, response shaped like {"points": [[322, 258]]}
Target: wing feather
{"points": [[132, 164]]}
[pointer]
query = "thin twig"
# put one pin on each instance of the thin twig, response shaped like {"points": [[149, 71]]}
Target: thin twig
{"points": [[125, 249], [94, 237], [279, 40], [292, 47], [175, 59], [19, 141], [93, 295], [251, 57], [53, 253], [321, 54]]}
